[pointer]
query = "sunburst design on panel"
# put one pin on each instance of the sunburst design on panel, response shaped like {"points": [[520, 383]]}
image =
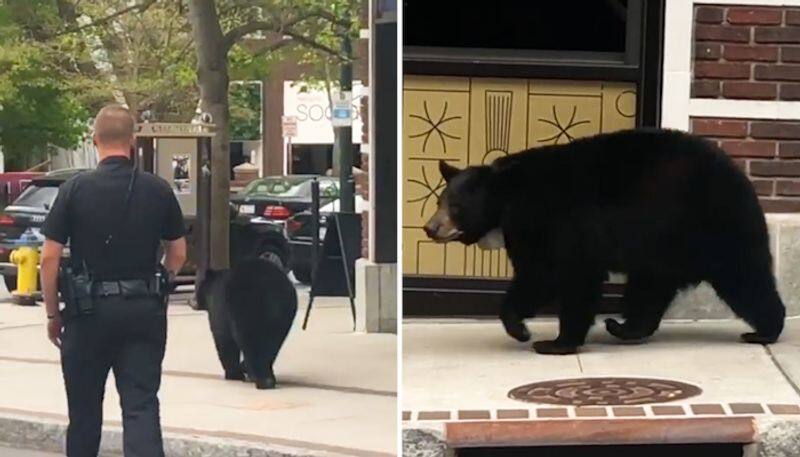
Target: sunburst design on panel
{"points": [[431, 190], [563, 129], [498, 123], [434, 126]]}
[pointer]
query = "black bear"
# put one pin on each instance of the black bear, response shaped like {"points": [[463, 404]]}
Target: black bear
{"points": [[251, 308], [667, 208]]}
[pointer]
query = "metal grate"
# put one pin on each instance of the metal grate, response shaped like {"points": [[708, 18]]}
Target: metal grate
{"points": [[604, 391]]}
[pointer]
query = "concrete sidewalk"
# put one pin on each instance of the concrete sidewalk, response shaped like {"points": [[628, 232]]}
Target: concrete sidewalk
{"points": [[336, 392], [460, 370]]}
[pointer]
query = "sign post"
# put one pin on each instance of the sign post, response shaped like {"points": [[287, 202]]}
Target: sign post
{"points": [[289, 127]]}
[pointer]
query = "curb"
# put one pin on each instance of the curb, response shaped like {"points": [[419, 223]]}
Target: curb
{"points": [[774, 437], [49, 435]]}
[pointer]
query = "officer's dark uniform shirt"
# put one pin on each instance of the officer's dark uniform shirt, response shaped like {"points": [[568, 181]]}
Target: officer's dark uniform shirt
{"points": [[90, 205]]}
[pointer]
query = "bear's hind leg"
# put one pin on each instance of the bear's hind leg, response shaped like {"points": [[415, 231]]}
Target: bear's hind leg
{"points": [[259, 370], [644, 304], [229, 355], [579, 300], [754, 298]]}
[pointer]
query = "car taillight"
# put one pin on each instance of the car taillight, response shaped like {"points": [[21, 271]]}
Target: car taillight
{"points": [[277, 212], [293, 225], [7, 220]]}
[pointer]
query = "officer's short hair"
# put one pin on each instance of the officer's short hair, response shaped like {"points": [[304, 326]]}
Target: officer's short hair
{"points": [[113, 125]]}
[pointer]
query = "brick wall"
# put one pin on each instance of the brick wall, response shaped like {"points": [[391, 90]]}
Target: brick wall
{"points": [[768, 151], [743, 52]]}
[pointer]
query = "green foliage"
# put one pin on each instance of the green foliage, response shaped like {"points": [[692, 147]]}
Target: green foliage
{"points": [[36, 110], [245, 107]]}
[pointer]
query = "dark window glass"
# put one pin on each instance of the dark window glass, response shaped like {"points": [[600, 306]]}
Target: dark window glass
{"points": [[563, 25], [37, 197]]}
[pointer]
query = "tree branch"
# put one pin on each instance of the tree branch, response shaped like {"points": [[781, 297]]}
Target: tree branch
{"points": [[274, 46], [316, 45], [138, 7], [235, 34]]}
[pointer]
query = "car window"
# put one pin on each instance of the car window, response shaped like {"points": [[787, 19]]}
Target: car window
{"points": [[328, 189], [37, 197], [280, 187]]}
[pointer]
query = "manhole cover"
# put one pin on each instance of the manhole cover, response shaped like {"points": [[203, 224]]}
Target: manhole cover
{"points": [[604, 391]]}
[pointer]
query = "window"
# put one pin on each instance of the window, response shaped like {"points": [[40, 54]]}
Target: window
{"points": [[577, 29], [37, 197]]}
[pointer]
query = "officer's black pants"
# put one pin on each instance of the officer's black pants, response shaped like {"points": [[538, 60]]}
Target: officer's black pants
{"points": [[128, 336]]}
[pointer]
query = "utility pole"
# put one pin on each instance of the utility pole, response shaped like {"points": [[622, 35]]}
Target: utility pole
{"points": [[344, 133]]}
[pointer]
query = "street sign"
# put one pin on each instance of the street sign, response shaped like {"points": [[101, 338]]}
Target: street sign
{"points": [[342, 112], [289, 126]]}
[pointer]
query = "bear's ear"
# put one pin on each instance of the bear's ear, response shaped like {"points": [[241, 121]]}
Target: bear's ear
{"points": [[447, 170]]}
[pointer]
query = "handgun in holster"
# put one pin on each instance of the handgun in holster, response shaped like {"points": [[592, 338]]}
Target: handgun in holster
{"points": [[76, 291]]}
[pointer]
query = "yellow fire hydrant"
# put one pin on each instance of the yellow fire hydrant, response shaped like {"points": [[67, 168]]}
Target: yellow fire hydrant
{"points": [[26, 259]]}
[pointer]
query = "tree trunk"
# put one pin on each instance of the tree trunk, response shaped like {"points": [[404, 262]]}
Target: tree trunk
{"points": [[212, 78]]}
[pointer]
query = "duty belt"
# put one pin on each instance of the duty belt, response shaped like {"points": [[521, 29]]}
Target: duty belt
{"points": [[125, 287]]}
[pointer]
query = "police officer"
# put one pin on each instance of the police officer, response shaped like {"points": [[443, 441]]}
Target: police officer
{"points": [[114, 219]]}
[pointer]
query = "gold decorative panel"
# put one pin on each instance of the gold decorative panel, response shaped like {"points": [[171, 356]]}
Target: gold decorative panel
{"points": [[473, 121]]}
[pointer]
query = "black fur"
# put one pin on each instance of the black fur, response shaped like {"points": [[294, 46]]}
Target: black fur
{"points": [[667, 208], [251, 308]]}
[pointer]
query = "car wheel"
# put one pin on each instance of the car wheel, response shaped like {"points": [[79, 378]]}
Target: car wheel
{"points": [[273, 257], [302, 274], [11, 282]]}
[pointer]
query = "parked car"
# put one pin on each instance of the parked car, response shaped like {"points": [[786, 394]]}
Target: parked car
{"points": [[280, 197], [299, 234], [29, 210]]}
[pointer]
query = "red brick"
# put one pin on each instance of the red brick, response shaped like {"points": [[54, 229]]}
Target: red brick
{"points": [[777, 130], [792, 17], [750, 53], [790, 54], [709, 15], [782, 205], [789, 150], [742, 164], [719, 128], [748, 90], [774, 168], [777, 72], [763, 187], [738, 148], [790, 188], [754, 16], [705, 88], [777, 35], [721, 70], [707, 51], [790, 92], [731, 34]]}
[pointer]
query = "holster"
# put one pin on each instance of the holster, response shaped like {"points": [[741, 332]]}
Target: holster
{"points": [[76, 292]]}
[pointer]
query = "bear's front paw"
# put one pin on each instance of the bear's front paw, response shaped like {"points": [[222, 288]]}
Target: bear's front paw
{"points": [[623, 332], [755, 338], [517, 330], [554, 347]]}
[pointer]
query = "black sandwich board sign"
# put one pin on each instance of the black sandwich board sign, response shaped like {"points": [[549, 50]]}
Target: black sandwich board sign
{"points": [[333, 273]]}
